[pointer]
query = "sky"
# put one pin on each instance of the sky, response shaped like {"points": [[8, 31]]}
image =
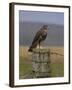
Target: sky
{"points": [[41, 17]]}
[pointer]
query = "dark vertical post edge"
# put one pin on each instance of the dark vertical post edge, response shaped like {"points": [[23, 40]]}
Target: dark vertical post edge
{"points": [[11, 45]]}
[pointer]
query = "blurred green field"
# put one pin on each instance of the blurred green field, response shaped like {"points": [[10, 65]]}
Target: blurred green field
{"points": [[24, 67], [25, 63]]}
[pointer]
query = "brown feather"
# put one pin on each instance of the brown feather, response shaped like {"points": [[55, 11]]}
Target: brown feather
{"points": [[40, 36]]}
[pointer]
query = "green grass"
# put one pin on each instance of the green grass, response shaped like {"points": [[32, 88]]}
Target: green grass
{"points": [[57, 69], [24, 68]]}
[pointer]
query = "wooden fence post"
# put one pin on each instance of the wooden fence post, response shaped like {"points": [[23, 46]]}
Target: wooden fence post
{"points": [[41, 63]]}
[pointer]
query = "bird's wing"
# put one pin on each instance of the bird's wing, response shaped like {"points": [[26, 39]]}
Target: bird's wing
{"points": [[37, 37]]}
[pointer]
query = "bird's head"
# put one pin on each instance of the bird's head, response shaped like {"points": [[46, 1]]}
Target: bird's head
{"points": [[45, 27]]}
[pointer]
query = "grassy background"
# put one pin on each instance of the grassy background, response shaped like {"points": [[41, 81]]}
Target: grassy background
{"points": [[25, 62]]}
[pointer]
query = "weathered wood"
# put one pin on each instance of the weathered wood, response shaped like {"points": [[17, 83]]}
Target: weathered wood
{"points": [[41, 63]]}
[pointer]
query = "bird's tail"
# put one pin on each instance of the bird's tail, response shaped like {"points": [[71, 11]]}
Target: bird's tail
{"points": [[30, 49]]}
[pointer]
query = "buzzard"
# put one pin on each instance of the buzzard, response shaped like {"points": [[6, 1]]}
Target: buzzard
{"points": [[39, 37]]}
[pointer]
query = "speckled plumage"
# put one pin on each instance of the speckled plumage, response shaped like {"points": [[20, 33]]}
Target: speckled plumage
{"points": [[39, 37]]}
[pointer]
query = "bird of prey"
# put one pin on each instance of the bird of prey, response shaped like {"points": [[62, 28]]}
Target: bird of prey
{"points": [[39, 37]]}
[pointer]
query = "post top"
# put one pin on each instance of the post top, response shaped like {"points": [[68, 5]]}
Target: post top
{"points": [[43, 50]]}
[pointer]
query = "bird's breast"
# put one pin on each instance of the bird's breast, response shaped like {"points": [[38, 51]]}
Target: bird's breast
{"points": [[44, 36], [45, 33]]}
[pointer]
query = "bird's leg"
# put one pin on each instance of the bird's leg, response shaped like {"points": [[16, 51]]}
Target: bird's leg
{"points": [[39, 45], [39, 49]]}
